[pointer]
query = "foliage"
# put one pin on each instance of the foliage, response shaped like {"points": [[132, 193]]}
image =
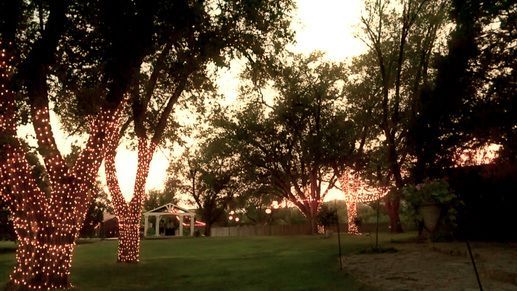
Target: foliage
{"points": [[209, 174], [428, 192], [472, 84], [254, 201], [192, 40], [403, 41], [157, 198], [95, 214], [433, 192], [291, 148], [327, 216]]}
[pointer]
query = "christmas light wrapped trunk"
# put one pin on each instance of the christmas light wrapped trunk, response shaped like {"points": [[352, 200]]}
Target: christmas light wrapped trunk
{"points": [[357, 190], [48, 215], [129, 214], [46, 224]]}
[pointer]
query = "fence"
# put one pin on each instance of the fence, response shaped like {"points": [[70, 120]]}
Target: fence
{"points": [[293, 229], [252, 230]]}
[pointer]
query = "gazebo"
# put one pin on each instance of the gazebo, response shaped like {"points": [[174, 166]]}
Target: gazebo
{"points": [[167, 211]]}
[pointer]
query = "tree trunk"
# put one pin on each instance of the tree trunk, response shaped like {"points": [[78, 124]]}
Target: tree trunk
{"points": [[128, 241], [310, 211], [392, 206], [313, 223], [129, 214], [43, 262], [351, 212], [208, 228]]}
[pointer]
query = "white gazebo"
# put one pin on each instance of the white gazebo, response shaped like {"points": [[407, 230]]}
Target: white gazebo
{"points": [[168, 210]]}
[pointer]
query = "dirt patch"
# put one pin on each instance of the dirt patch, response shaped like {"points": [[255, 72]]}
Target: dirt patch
{"points": [[437, 266]]}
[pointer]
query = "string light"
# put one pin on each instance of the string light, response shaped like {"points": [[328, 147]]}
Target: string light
{"points": [[357, 190], [46, 225], [129, 213]]}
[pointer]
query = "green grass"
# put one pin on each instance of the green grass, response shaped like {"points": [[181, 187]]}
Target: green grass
{"points": [[247, 263]]}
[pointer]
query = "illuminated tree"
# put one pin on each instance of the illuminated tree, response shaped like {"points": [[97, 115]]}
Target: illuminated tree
{"points": [[205, 34], [357, 191], [47, 224], [291, 146]]}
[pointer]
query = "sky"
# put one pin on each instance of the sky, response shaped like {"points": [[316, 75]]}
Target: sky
{"points": [[323, 25]]}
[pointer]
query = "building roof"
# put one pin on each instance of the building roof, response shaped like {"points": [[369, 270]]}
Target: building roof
{"points": [[170, 208]]}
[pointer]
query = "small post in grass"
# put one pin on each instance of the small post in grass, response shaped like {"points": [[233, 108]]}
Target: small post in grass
{"points": [[474, 265], [377, 222], [338, 236]]}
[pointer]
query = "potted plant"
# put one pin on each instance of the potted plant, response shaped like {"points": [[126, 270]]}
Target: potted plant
{"points": [[429, 202]]}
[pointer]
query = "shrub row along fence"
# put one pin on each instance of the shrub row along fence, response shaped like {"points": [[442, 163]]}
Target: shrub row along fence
{"points": [[294, 229]]}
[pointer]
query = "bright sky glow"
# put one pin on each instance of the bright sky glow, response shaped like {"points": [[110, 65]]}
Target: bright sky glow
{"points": [[126, 163], [480, 156], [329, 26]]}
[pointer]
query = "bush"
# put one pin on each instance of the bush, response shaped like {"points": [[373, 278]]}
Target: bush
{"points": [[326, 216], [433, 192]]}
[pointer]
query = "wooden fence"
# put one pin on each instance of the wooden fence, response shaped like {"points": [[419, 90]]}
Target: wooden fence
{"points": [[294, 229]]}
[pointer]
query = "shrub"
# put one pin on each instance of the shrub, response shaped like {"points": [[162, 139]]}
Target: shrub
{"points": [[433, 192]]}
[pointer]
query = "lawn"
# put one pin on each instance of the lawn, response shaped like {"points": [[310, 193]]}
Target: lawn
{"points": [[232, 263]]}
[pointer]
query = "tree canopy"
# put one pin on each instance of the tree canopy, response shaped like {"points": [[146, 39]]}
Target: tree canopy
{"points": [[295, 146]]}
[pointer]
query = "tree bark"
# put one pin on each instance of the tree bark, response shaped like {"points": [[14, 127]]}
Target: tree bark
{"points": [[351, 212], [208, 229], [128, 241], [392, 207], [313, 225], [129, 214], [43, 262], [46, 226], [310, 211]]}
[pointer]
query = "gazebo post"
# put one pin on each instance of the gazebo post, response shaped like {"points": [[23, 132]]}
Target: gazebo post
{"points": [[157, 226], [181, 224], [192, 219], [146, 224]]}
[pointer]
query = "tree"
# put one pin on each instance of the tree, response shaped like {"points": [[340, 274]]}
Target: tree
{"points": [[254, 199], [327, 216], [47, 225], [473, 84], [201, 34], [293, 146], [95, 214], [213, 173], [156, 198], [357, 190], [401, 40]]}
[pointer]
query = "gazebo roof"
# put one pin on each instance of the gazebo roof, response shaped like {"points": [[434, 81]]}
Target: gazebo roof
{"points": [[170, 208]]}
